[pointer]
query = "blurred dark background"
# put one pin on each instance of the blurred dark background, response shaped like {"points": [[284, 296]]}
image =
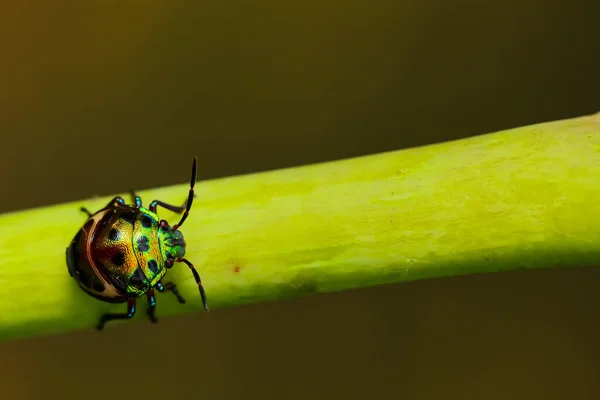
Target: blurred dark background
{"points": [[98, 96]]}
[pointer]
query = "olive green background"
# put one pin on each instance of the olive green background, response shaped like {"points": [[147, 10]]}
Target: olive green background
{"points": [[97, 97]]}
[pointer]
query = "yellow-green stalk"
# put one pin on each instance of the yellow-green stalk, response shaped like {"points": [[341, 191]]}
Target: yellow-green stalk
{"points": [[522, 198]]}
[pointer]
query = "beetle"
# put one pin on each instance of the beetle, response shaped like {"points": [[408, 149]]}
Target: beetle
{"points": [[123, 251]]}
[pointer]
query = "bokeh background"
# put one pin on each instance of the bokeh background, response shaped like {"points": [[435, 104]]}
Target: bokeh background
{"points": [[100, 96]]}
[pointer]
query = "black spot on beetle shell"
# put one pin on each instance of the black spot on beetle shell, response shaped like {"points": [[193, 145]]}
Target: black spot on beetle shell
{"points": [[142, 244], [106, 218], [146, 221], [68, 262], [83, 278], [118, 259], [77, 237], [97, 285], [138, 279], [72, 258], [119, 284], [113, 234], [153, 266], [128, 216]]}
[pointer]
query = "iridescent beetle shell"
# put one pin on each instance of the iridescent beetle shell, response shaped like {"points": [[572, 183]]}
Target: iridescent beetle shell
{"points": [[124, 251]]}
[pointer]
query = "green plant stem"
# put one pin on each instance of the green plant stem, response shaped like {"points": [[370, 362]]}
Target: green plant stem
{"points": [[521, 198]]}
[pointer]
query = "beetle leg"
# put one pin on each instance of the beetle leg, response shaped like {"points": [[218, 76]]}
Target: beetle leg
{"points": [[117, 199], [176, 209], [198, 281], [172, 287], [111, 317], [137, 200], [151, 306]]}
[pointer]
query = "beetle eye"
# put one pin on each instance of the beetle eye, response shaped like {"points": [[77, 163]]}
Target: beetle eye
{"points": [[164, 225]]}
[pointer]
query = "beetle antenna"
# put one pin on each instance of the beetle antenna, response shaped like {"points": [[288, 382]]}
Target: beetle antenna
{"points": [[190, 200]]}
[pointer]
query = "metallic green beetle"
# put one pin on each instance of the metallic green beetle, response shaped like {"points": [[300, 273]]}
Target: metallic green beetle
{"points": [[124, 251]]}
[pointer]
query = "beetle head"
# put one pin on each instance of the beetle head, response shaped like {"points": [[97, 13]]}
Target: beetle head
{"points": [[172, 241]]}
